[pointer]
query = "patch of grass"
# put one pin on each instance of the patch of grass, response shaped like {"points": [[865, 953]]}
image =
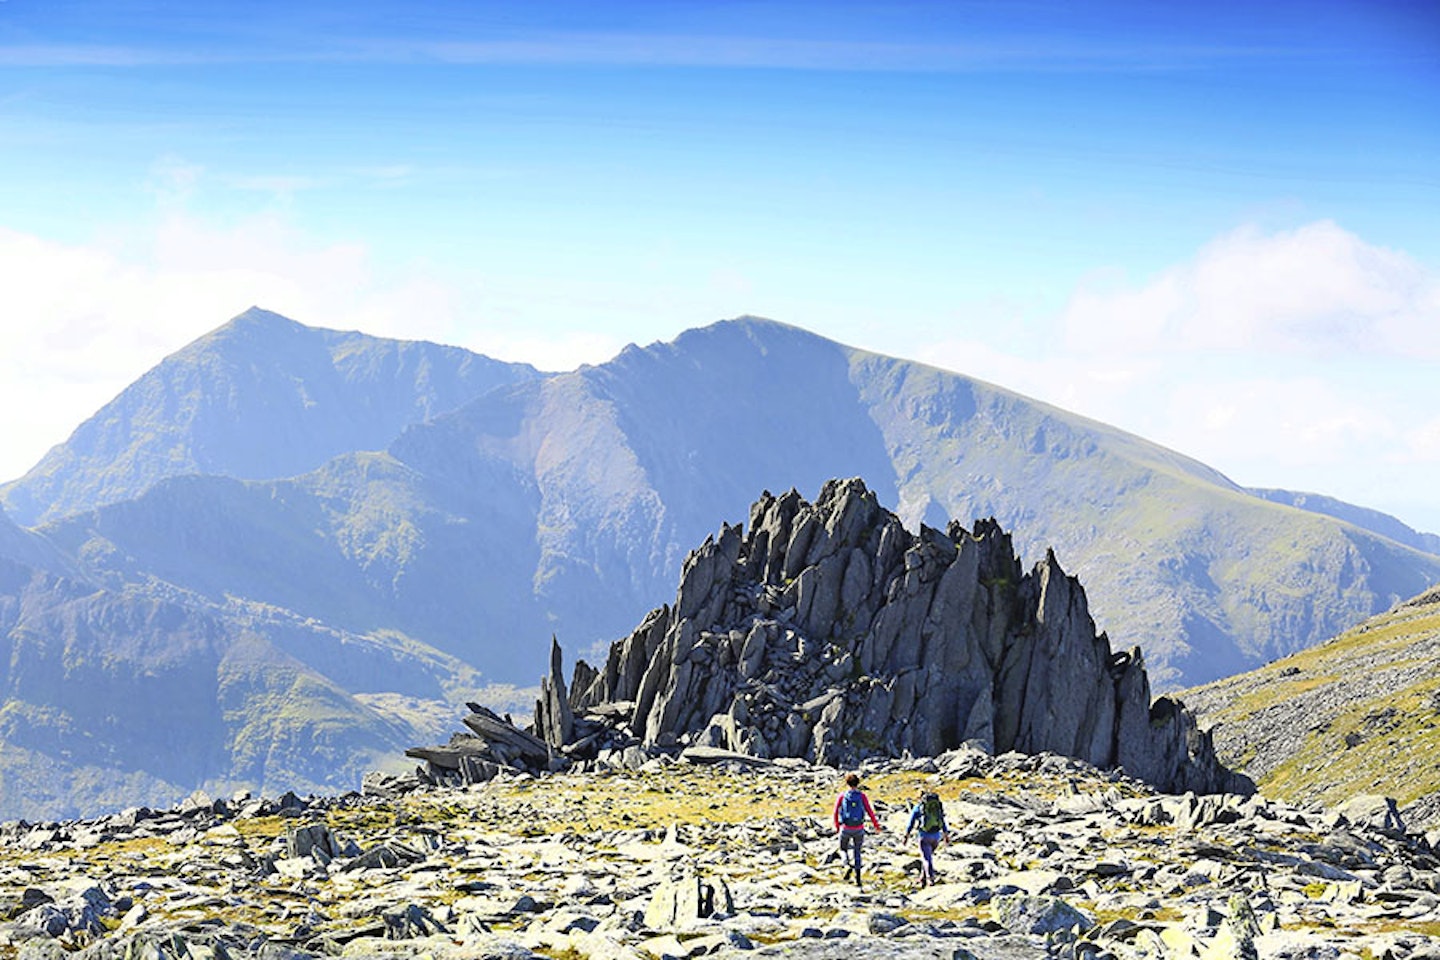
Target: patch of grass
{"points": [[1273, 693], [1428, 928], [360, 820], [136, 847], [262, 828]]}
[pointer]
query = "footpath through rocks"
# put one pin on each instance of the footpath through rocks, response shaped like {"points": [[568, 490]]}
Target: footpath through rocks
{"points": [[1050, 858]]}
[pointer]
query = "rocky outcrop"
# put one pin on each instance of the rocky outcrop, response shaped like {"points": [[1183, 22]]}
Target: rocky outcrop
{"points": [[828, 631], [491, 743]]}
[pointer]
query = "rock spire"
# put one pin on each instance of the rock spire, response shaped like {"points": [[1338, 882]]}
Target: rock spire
{"points": [[828, 631]]}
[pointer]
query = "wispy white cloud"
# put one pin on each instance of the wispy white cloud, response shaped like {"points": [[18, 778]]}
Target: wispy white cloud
{"points": [[1303, 358], [634, 49], [172, 180], [275, 184], [49, 55], [1316, 291]]}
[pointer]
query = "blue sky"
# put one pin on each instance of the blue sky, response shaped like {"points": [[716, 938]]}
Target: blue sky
{"points": [[1213, 225]]}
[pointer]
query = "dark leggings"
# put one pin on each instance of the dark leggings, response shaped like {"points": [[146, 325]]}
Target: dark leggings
{"points": [[852, 839], [927, 854]]}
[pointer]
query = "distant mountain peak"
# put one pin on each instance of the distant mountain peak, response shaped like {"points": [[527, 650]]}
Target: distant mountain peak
{"points": [[260, 397], [254, 314], [258, 319]]}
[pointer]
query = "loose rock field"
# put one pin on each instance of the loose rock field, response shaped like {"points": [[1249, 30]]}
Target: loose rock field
{"points": [[1049, 858]]}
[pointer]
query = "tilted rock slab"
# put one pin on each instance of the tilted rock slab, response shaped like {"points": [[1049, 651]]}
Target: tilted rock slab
{"points": [[828, 631]]}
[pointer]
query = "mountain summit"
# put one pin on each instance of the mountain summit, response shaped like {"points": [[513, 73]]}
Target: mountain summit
{"points": [[261, 397]]}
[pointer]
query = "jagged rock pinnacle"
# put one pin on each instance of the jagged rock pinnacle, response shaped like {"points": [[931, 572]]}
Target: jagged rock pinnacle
{"points": [[827, 631]]}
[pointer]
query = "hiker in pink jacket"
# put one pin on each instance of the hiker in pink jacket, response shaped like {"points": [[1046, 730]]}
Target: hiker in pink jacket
{"points": [[851, 809]]}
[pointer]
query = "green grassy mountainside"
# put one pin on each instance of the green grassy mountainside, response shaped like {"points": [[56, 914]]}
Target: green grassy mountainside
{"points": [[260, 397], [1359, 714], [343, 608], [1372, 520]]}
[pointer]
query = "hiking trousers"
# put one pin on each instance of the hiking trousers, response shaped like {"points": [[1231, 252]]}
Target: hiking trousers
{"points": [[928, 843], [852, 840]]}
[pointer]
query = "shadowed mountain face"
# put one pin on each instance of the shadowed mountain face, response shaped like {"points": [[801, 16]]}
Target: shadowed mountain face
{"points": [[260, 397], [564, 505], [139, 695]]}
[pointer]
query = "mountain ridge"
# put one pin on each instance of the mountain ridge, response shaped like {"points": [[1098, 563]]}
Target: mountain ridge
{"points": [[1375, 521], [260, 397], [612, 467], [564, 504]]}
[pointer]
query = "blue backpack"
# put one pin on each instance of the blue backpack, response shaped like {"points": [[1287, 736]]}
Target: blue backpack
{"points": [[852, 808]]}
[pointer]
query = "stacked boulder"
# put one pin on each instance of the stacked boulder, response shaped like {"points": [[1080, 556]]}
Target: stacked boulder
{"points": [[491, 744], [828, 631]]}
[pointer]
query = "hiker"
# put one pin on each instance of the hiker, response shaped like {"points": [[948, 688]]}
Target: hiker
{"points": [[929, 817], [851, 809]]}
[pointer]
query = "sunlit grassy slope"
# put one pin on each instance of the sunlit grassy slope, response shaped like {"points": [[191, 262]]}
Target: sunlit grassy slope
{"points": [[1360, 714]]}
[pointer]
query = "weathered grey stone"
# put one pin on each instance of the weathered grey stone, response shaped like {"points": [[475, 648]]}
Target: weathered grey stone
{"points": [[685, 897], [410, 921], [880, 922], [1025, 913], [559, 722], [312, 840], [831, 632], [1375, 811]]}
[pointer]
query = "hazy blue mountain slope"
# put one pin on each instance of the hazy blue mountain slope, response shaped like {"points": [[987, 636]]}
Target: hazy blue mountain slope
{"points": [[365, 545], [260, 397], [566, 504], [118, 697], [1176, 558], [1372, 520], [25, 547]]}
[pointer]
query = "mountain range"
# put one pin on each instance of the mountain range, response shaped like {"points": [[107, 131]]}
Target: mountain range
{"points": [[276, 557]]}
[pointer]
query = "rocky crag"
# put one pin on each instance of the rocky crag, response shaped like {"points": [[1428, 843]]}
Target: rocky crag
{"points": [[827, 631], [1049, 859]]}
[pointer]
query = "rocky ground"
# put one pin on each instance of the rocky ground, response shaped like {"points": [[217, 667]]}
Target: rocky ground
{"points": [[1356, 715], [1050, 859]]}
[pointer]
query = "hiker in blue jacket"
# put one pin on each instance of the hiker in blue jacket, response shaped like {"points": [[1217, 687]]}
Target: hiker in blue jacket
{"points": [[851, 809], [928, 817]]}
